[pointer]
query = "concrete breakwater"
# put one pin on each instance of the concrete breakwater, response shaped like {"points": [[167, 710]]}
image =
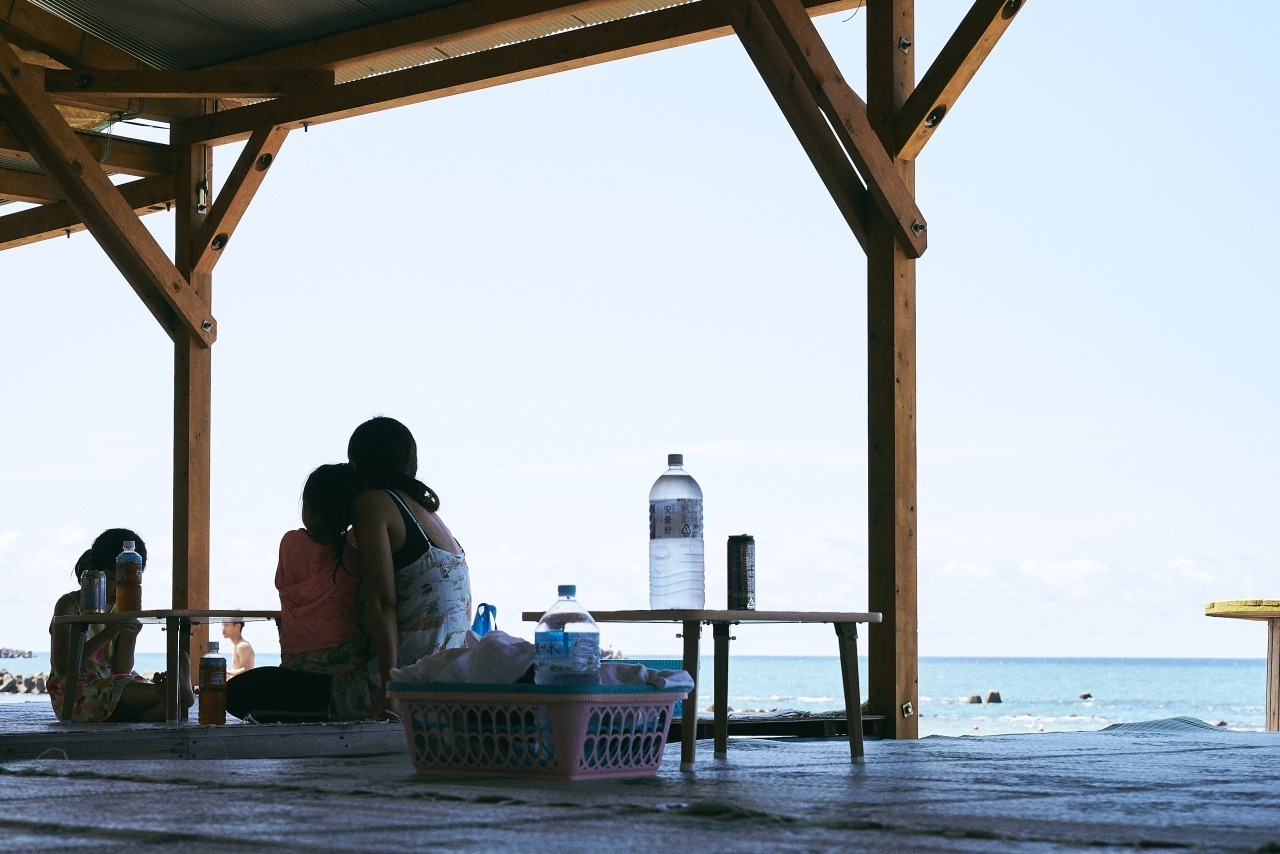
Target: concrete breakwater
{"points": [[16, 683], [10, 652]]}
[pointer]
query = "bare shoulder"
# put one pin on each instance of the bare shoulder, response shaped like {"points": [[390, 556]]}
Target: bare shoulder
{"points": [[372, 502], [65, 605]]}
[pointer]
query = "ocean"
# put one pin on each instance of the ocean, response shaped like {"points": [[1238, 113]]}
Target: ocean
{"points": [[1038, 694]]}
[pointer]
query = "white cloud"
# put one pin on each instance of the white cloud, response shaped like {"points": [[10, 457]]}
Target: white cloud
{"points": [[964, 571], [1069, 576], [1183, 568]]}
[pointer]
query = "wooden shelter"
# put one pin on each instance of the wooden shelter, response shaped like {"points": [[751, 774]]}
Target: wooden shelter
{"points": [[72, 70]]}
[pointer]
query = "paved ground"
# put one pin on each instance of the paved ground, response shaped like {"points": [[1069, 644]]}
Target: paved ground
{"points": [[1174, 785]]}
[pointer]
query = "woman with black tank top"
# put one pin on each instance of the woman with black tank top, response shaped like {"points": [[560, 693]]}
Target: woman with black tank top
{"points": [[417, 588]]}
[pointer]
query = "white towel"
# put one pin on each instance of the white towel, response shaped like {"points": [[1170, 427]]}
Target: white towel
{"points": [[496, 659]]}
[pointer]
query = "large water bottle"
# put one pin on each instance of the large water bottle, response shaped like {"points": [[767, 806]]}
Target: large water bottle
{"points": [[567, 643], [676, 575]]}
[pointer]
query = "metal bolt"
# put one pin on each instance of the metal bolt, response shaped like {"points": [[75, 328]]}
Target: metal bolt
{"points": [[306, 126], [918, 228], [907, 711], [935, 116], [84, 81], [263, 163], [904, 44], [218, 242], [207, 325], [68, 232], [1010, 9]]}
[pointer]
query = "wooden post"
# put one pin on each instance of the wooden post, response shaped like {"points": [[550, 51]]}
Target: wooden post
{"points": [[192, 404], [891, 394], [1272, 708]]}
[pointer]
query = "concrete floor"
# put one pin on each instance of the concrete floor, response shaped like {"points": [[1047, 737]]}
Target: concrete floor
{"points": [[1173, 785]]}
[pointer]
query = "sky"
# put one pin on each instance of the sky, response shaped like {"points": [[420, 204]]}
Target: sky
{"points": [[558, 282]]}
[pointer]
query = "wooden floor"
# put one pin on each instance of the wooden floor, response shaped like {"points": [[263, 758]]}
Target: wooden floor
{"points": [[29, 730]]}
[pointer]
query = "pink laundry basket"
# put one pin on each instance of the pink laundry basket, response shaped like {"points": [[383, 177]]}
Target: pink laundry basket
{"points": [[551, 731]]}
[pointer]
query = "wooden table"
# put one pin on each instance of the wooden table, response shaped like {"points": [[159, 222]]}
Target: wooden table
{"points": [[846, 626], [1267, 610], [177, 623]]}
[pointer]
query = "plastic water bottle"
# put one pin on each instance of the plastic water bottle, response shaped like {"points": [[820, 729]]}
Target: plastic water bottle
{"points": [[567, 643], [213, 686], [676, 575], [128, 579]]}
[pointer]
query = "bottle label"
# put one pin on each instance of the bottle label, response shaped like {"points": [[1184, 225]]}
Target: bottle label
{"points": [[678, 517], [566, 652]]}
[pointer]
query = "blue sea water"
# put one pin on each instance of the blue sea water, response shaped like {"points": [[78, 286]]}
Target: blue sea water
{"points": [[1039, 694]]}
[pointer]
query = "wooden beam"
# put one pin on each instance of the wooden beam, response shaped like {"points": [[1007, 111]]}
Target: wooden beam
{"points": [[28, 26], [422, 31], [891, 398], [950, 72], [146, 195], [101, 207], [802, 112], [846, 112], [633, 36], [192, 410], [228, 83], [28, 187], [246, 177], [116, 154]]}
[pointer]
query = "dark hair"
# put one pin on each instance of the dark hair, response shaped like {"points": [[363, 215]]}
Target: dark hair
{"points": [[328, 492], [109, 544], [386, 457]]}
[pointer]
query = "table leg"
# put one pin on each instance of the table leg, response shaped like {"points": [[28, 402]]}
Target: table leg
{"points": [[689, 720], [1273, 676], [173, 630], [720, 634], [75, 660], [847, 633]]}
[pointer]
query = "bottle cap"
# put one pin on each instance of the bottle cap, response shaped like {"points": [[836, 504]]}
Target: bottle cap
{"points": [[128, 546], [569, 590], [213, 646], [675, 459]]}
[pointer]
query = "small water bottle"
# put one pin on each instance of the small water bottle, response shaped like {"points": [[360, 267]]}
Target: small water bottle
{"points": [[676, 576], [213, 686], [93, 591], [567, 643], [128, 579]]}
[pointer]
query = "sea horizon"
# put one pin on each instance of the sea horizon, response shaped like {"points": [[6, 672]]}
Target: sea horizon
{"points": [[1036, 693]]}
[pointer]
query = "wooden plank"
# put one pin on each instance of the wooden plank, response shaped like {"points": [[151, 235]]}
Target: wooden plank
{"points": [[847, 114], [576, 49], [422, 31], [692, 632], [28, 26], [803, 114], [144, 196], [705, 616], [192, 411], [100, 205], [233, 200], [891, 399], [220, 83], [118, 155], [847, 640], [950, 72], [29, 187], [1245, 609]]}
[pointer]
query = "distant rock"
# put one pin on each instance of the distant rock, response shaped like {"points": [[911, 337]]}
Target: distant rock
{"points": [[1086, 696], [1221, 723], [994, 697], [10, 652], [975, 698]]}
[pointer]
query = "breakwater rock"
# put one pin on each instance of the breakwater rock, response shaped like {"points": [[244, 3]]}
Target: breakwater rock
{"points": [[10, 652], [16, 683]]}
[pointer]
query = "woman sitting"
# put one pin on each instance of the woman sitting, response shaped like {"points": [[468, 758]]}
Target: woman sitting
{"points": [[108, 688]]}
